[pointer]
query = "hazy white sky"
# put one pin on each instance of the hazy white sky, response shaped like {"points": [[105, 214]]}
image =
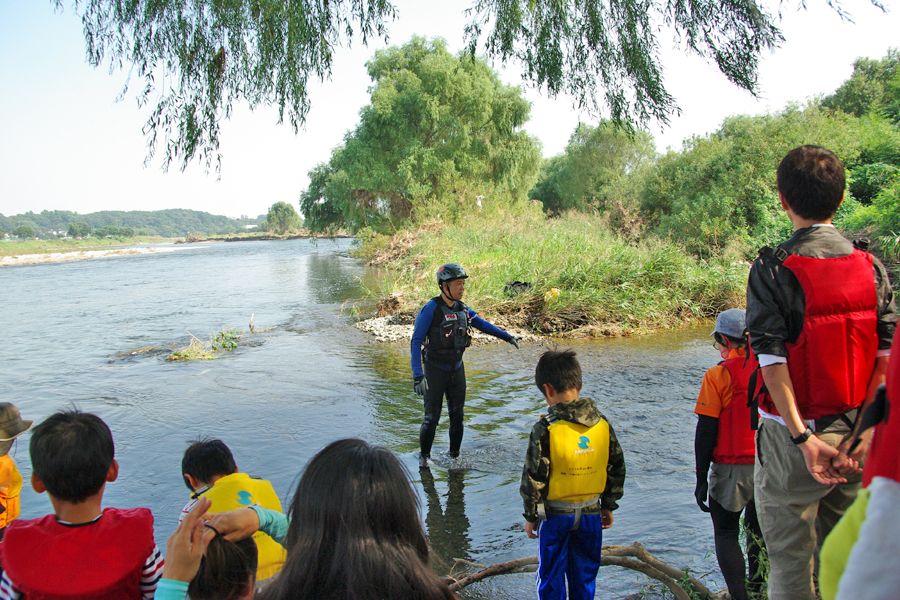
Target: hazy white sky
{"points": [[66, 144]]}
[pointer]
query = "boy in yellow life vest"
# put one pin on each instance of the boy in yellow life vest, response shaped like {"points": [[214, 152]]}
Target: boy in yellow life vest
{"points": [[11, 427], [572, 480], [209, 471]]}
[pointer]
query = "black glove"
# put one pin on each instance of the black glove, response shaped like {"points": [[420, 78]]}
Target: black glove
{"points": [[701, 491], [514, 341], [420, 385]]}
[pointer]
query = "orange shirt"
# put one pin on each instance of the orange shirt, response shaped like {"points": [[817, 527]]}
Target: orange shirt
{"points": [[715, 392]]}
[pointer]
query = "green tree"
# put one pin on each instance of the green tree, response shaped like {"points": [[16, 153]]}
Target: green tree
{"points": [[79, 230], [438, 126], [282, 217], [197, 58], [720, 189], [873, 87], [595, 157], [24, 232]]}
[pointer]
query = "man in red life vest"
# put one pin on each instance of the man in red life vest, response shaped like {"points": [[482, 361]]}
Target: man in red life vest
{"points": [[821, 318]]}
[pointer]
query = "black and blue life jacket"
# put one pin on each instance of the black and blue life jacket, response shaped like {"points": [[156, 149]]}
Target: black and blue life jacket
{"points": [[449, 335]]}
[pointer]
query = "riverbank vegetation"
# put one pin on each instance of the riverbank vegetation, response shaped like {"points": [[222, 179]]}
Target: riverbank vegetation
{"points": [[606, 284], [631, 239]]}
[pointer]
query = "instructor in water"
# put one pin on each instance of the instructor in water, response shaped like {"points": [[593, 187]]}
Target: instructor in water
{"points": [[441, 335]]}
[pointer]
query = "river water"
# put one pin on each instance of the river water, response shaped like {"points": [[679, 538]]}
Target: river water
{"points": [[70, 330]]}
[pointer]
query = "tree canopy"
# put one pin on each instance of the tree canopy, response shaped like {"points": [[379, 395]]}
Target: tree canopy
{"points": [[594, 158], [437, 126], [79, 230], [25, 232], [195, 59], [282, 217]]}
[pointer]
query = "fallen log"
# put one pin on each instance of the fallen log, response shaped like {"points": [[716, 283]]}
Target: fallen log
{"points": [[634, 557]]}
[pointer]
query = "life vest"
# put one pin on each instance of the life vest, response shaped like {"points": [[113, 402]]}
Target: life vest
{"points": [[831, 361], [101, 560], [449, 334], [578, 458], [736, 442], [239, 490], [10, 486], [883, 459]]}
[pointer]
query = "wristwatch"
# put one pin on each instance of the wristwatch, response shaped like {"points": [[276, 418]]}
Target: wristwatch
{"points": [[802, 437]]}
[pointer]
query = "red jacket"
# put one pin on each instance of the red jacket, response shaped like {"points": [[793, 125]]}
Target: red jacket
{"points": [[883, 459], [736, 442], [101, 560], [832, 360]]}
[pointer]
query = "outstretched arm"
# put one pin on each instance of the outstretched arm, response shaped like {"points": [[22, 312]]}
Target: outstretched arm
{"points": [[490, 329]]}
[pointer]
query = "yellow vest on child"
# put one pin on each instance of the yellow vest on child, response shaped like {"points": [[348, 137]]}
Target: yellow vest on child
{"points": [[578, 459], [239, 490], [10, 486]]}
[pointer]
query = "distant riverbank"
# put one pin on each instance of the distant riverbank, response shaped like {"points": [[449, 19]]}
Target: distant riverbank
{"points": [[50, 257]]}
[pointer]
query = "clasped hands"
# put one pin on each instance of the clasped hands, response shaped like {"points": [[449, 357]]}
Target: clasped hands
{"points": [[829, 465]]}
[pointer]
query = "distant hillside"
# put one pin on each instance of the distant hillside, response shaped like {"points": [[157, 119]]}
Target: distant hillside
{"points": [[175, 222]]}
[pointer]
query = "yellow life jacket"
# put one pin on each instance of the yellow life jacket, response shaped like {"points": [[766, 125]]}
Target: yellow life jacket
{"points": [[578, 459], [10, 486], [239, 490]]}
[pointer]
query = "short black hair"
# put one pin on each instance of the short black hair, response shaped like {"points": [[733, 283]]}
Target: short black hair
{"points": [[205, 459], [812, 181], [560, 369], [71, 453], [227, 570]]}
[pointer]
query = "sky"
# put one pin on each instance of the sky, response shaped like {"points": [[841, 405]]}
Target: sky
{"points": [[67, 144]]}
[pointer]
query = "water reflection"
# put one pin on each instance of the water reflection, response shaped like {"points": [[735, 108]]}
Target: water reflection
{"points": [[447, 525]]}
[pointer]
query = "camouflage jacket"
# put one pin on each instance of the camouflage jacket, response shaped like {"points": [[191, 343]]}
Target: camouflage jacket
{"points": [[536, 473]]}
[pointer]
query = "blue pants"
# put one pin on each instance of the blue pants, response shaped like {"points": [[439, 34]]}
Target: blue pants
{"points": [[566, 554]]}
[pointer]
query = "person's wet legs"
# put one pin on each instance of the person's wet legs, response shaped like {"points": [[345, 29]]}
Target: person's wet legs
{"points": [[434, 400], [456, 401]]}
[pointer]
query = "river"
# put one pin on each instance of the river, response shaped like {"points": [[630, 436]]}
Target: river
{"points": [[70, 330]]}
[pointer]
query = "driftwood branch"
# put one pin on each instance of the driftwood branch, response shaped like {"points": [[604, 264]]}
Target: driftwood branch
{"points": [[634, 557]]}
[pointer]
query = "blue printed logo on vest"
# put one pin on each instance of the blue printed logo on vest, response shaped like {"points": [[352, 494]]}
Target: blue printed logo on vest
{"points": [[584, 445], [245, 498]]}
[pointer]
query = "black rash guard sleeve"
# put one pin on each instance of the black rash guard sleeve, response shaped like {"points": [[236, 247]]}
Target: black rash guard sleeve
{"points": [[705, 441]]}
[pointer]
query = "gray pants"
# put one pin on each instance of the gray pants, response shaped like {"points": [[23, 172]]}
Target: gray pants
{"points": [[795, 511]]}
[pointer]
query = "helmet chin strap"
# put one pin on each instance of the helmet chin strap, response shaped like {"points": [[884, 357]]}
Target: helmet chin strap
{"points": [[446, 291]]}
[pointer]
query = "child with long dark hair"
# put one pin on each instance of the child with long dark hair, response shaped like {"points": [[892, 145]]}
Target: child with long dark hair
{"points": [[352, 532]]}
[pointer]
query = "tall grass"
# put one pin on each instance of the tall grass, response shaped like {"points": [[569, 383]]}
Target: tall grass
{"points": [[603, 280]]}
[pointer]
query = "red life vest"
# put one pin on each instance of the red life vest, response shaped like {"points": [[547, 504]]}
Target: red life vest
{"points": [[98, 561], [832, 360], [736, 441], [883, 459]]}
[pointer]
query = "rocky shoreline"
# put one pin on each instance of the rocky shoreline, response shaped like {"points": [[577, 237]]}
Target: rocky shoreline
{"points": [[399, 328]]}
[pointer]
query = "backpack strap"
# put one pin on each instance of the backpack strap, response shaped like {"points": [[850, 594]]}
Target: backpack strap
{"points": [[777, 252], [752, 394]]}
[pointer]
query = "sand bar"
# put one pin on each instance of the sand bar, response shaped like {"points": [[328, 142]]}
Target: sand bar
{"points": [[31, 259]]}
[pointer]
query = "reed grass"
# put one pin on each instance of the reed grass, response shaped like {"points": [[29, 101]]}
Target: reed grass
{"points": [[603, 279]]}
